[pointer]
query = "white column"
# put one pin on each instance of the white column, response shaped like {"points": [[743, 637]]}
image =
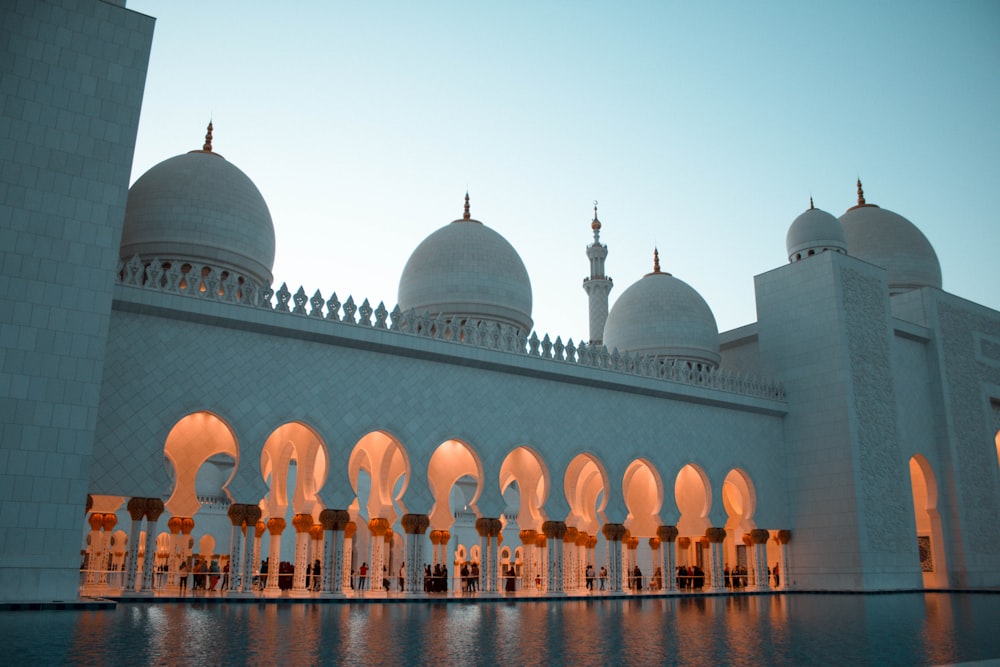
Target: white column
{"points": [[149, 560], [275, 526]]}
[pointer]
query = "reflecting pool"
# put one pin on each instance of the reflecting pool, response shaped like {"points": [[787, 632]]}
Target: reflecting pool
{"points": [[890, 629]]}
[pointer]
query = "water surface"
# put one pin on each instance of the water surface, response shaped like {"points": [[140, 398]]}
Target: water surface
{"points": [[896, 629]]}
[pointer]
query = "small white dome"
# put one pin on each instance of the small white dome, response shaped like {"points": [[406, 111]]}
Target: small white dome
{"points": [[813, 232], [664, 317], [889, 240], [467, 271], [200, 209]]}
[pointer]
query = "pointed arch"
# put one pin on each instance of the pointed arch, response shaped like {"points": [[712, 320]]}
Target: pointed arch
{"points": [[693, 494], [524, 470], [450, 462], [382, 456], [642, 488], [586, 485], [930, 535], [299, 443], [192, 441]]}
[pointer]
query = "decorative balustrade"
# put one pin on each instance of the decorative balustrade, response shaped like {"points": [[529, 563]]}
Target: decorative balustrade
{"points": [[228, 287]]}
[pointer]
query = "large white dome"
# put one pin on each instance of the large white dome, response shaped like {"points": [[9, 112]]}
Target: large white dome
{"points": [[813, 232], [200, 209], [889, 240], [467, 271], [664, 317]]}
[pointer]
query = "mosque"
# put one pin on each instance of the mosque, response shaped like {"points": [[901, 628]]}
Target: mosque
{"points": [[165, 405]]}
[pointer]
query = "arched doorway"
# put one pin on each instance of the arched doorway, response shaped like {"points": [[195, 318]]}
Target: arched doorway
{"points": [[930, 540]]}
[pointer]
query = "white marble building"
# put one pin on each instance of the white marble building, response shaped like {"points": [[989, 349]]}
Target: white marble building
{"points": [[160, 399]]}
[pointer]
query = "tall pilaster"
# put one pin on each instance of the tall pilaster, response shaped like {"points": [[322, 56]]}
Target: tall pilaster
{"points": [[597, 285]]}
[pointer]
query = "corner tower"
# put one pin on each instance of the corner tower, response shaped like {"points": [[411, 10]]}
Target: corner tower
{"points": [[598, 285]]}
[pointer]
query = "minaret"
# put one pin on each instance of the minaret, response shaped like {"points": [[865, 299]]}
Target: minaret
{"points": [[598, 285]]}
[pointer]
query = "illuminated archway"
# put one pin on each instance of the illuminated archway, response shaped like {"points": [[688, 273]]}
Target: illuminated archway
{"points": [[643, 492], [522, 472], [930, 539], [586, 484], [452, 461], [693, 495], [192, 441]]}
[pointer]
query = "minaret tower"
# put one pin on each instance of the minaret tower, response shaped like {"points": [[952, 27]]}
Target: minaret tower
{"points": [[598, 285]]}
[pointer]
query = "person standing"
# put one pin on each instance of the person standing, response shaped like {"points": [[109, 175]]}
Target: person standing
{"points": [[362, 576]]}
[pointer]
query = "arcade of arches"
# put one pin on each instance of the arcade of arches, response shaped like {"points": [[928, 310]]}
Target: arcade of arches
{"points": [[245, 548]]}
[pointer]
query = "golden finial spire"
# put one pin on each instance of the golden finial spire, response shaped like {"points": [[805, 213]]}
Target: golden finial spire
{"points": [[861, 193], [466, 215], [596, 224], [208, 139], [656, 260], [811, 207]]}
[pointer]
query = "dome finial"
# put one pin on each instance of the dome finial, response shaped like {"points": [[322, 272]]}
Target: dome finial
{"points": [[656, 260], [811, 207], [466, 215], [208, 139], [596, 224], [861, 193]]}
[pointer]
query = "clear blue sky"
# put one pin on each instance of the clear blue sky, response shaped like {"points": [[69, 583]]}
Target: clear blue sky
{"points": [[702, 128]]}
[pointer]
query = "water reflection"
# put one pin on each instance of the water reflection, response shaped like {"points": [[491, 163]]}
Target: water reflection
{"points": [[911, 629]]}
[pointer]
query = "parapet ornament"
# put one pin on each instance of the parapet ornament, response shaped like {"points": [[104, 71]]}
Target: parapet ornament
{"points": [[490, 335]]}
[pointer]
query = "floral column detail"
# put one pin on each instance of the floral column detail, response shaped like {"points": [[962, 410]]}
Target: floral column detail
{"points": [[237, 515], [657, 547], [415, 525], [378, 528], [613, 533], [109, 521], [759, 537], [350, 528], [253, 530], [302, 524], [317, 555], [174, 559], [96, 520], [667, 535], [569, 558], [783, 537], [275, 526], [154, 508], [541, 562], [136, 510], [489, 530], [528, 538], [715, 536], [554, 533], [334, 522]]}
